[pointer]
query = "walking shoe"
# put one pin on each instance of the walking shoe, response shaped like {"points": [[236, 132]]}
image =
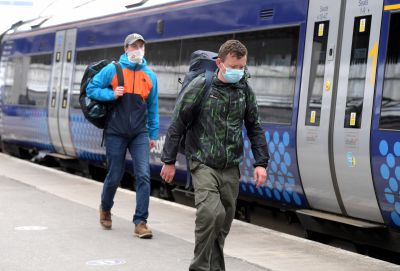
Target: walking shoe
{"points": [[105, 219], [142, 231]]}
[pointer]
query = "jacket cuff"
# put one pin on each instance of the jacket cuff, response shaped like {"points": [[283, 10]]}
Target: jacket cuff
{"points": [[169, 162], [261, 165]]}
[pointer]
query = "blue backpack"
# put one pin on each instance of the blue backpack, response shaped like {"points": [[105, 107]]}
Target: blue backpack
{"points": [[200, 62]]}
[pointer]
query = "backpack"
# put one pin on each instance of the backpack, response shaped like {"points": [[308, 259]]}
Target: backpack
{"points": [[96, 111], [200, 62]]}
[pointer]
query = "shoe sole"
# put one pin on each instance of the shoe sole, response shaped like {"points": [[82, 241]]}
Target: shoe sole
{"points": [[105, 227], [144, 236]]}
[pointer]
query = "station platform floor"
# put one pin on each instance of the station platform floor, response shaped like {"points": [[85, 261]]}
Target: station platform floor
{"points": [[49, 221]]}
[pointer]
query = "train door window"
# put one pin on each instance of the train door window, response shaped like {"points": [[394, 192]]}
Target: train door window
{"points": [[317, 72], [37, 86], [272, 62], [357, 72], [83, 59], [390, 107]]}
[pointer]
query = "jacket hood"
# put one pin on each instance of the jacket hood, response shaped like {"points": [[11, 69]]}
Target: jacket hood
{"points": [[124, 61]]}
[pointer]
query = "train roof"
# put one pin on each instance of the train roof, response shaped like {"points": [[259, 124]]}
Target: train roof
{"points": [[60, 13]]}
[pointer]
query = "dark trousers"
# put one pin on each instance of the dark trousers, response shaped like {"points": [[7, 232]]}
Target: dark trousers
{"points": [[216, 192]]}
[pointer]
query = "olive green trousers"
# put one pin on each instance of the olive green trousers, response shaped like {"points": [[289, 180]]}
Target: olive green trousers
{"points": [[216, 191]]}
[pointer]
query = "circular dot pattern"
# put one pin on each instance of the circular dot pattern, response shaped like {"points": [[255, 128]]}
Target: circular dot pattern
{"points": [[281, 183], [397, 149], [390, 160], [393, 185], [391, 176], [383, 147], [385, 171]]}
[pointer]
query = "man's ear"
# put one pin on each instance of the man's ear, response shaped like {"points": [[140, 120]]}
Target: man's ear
{"points": [[218, 61]]}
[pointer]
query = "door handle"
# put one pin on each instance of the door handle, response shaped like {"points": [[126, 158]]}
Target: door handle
{"points": [[65, 98], [53, 99]]}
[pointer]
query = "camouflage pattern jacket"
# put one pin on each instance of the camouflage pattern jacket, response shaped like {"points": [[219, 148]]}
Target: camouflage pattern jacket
{"points": [[215, 135]]}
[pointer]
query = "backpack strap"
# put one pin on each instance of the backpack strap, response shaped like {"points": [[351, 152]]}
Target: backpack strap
{"points": [[199, 108], [209, 76], [120, 75], [120, 79]]}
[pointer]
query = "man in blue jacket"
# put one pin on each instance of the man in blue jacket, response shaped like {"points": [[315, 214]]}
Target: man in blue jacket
{"points": [[132, 124]]}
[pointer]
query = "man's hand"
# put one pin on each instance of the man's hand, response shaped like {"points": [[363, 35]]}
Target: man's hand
{"points": [[118, 92], [168, 173], [152, 144], [260, 175]]}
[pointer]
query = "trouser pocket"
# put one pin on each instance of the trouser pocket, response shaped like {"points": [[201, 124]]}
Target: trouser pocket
{"points": [[199, 197], [193, 165]]}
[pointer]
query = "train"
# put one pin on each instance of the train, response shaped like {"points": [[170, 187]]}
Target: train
{"points": [[325, 74]]}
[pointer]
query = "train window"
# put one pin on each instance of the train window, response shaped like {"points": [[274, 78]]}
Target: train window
{"points": [[37, 86], [166, 105], [170, 61], [390, 107], [17, 70], [272, 62], [317, 72], [9, 81], [211, 43], [357, 72], [27, 80], [83, 59], [163, 59]]}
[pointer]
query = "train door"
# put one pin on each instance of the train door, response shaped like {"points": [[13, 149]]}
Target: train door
{"points": [[63, 59], [354, 103], [333, 130], [315, 104]]}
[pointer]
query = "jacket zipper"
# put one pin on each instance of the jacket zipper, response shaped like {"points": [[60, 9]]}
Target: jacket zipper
{"points": [[133, 92], [226, 134], [134, 75]]}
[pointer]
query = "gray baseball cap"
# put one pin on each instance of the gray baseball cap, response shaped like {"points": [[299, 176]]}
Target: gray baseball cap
{"points": [[131, 38]]}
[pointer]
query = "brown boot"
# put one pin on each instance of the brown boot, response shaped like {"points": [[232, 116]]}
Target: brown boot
{"points": [[105, 219], [142, 231]]}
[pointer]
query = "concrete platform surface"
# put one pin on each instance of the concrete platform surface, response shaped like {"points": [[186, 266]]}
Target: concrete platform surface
{"points": [[71, 238]]}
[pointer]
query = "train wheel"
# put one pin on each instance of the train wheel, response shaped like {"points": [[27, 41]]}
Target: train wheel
{"points": [[165, 192], [316, 236], [362, 249], [242, 211]]}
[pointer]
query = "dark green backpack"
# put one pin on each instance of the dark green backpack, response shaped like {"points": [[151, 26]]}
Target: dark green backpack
{"points": [[200, 62]]}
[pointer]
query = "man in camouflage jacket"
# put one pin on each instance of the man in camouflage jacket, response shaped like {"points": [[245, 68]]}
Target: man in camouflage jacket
{"points": [[214, 148]]}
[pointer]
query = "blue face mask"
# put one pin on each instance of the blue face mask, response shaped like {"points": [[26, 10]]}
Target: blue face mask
{"points": [[232, 75]]}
